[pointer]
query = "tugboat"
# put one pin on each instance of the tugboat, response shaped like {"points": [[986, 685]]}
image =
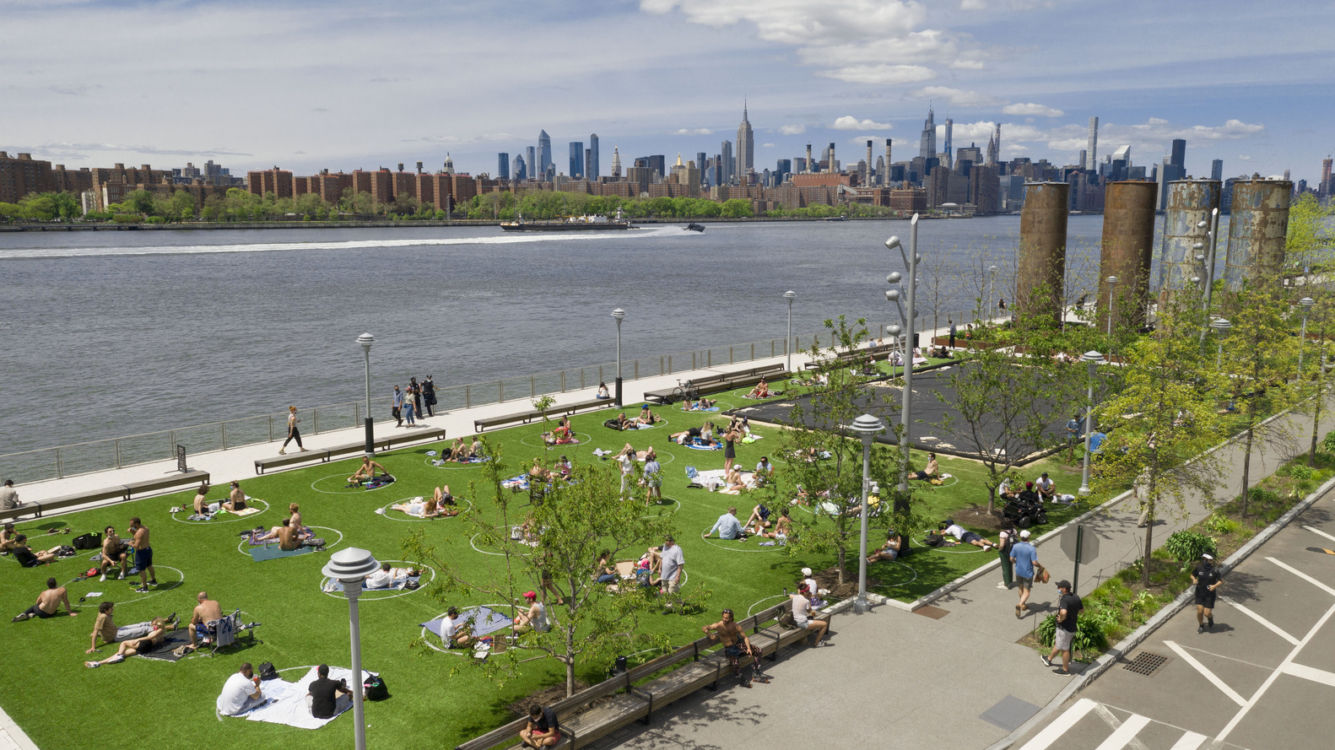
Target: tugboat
{"points": [[694, 227], [594, 223]]}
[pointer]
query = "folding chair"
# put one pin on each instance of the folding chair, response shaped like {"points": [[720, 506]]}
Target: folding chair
{"points": [[227, 629]]}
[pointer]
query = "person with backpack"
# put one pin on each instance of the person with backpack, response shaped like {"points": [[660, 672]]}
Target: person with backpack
{"points": [[1005, 541]]}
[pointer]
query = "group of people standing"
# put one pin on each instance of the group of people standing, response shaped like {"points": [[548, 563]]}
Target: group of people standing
{"points": [[415, 402]]}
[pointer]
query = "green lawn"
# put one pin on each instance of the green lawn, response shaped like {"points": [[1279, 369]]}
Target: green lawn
{"points": [[437, 699]]}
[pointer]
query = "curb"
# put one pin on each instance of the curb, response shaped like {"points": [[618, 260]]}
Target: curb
{"points": [[1114, 654]]}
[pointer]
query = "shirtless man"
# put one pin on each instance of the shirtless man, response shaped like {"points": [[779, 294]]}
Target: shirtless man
{"points": [[114, 552], [534, 618], [366, 470], [201, 499], [159, 628], [285, 535], [206, 611], [143, 554], [7, 537], [105, 627], [236, 499], [733, 638], [47, 603]]}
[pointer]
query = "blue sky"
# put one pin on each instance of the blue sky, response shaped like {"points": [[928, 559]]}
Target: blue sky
{"points": [[348, 85]]}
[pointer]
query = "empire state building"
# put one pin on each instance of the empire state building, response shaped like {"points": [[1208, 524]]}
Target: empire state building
{"points": [[746, 149]]}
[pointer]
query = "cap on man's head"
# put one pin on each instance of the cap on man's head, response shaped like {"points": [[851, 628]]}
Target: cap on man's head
{"points": [[1024, 534], [530, 595], [1207, 556], [1029, 485], [806, 571]]}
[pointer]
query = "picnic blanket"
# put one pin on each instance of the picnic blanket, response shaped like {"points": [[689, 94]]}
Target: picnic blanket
{"points": [[712, 408], [482, 620], [696, 444], [163, 651], [267, 552], [713, 480], [331, 585], [287, 700], [752, 438], [518, 482]]}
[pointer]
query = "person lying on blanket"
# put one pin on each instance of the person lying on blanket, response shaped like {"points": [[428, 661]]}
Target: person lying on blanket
{"points": [[133, 646], [106, 629], [388, 577], [703, 404], [622, 422], [760, 391], [366, 471]]}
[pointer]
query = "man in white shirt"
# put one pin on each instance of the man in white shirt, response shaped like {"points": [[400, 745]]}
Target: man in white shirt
{"points": [[240, 693], [453, 630], [727, 526], [671, 561]]}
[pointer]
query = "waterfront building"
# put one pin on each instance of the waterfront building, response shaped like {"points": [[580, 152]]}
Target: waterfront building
{"points": [[22, 174]]}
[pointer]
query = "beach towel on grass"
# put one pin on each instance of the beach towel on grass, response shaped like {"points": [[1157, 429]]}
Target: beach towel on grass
{"points": [[260, 554], [696, 445], [332, 585], [752, 438], [519, 482], [163, 651], [481, 620], [287, 700], [712, 408]]}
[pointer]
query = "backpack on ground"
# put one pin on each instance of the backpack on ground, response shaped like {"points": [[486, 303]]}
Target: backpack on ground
{"points": [[91, 540], [374, 688]]}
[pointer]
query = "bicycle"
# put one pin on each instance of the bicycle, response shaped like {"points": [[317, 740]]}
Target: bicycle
{"points": [[687, 391]]}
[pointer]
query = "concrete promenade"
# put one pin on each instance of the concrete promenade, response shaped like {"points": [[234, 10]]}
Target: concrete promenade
{"points": [[952, 670]]}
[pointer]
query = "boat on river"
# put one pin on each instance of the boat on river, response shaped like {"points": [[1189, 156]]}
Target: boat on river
{"points": [[695, 227]]}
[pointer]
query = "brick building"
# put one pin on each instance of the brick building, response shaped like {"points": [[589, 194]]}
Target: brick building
{"points": [[22, 174]]}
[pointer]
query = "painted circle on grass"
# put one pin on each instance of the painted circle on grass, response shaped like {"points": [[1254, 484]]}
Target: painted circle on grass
{"points": [[380, 594], [521, 548], [385, 511], [760, 603], [901, 571], [134, 597], [432, 640], [535, 441], [662, 506], [952, 550], [243, 546], [731, 544], [233, 519], [337, 485]]}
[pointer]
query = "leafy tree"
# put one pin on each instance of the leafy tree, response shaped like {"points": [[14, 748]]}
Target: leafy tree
{"points": [[736, 208], [1309, 233]]}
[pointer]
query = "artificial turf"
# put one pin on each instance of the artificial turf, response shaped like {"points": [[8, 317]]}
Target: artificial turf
{"points": [[438, 699]]}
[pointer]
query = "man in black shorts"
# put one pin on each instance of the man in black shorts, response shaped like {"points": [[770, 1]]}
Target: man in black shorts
{"points": [[325, 693], [734, 640], [1206, 578], [1068, 610]]}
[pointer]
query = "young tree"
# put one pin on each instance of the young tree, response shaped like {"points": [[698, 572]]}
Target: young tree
{"points": [[574, 524]]}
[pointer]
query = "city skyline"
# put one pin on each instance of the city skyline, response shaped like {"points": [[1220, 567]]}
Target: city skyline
{"points": [[1247, 91]]}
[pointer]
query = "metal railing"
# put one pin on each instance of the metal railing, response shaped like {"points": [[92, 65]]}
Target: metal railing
{"points": [[114, 453]]}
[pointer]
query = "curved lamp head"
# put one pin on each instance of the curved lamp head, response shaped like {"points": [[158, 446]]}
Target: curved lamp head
{"points": [[1221, 325], [789, 295], [892, 294], [366, 340], [1306, 303], [894, 329], [1092, 356], [867, 425], [350, 565], [892, 243], [619, 314], [1112, 279], [893, 277]]}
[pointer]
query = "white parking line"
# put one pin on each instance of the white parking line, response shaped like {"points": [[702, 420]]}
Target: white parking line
{"points": [[1303, 576], [1058, 727], [1319, 532], [1125, 733], [1205, 671], [1189, 741], [1311, 673], [1272, 627]]}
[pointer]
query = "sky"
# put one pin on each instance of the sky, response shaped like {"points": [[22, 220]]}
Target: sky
{"points": [[346, 85]]}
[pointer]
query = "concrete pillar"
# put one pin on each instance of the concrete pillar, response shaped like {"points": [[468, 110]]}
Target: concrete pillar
{"points": [[1041, 265], [1189, 203], [1128, 249], [1256, 231]]}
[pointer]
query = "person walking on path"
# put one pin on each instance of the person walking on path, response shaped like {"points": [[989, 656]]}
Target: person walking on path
{"points": [[1024, 557], [1206, 579], [397, 406], [415, 391], [1068, 612], [429, 396], [293, 433], [1005, 542], [408, 406], [143, 555]]}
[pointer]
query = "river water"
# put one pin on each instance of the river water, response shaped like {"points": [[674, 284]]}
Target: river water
{"points": [[113, 333]]}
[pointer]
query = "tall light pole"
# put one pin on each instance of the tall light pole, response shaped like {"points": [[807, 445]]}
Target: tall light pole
{"points": [[867, 426], [1220, 326], [1306, 304], [991, 282], [619, 315], [366, 340], [1094, 359], [788, 344], [350, 567], [1112, 282], [906, 315]]}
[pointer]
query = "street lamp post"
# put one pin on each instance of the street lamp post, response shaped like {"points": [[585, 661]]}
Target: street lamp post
{"points": [[350, 567], [1306, 304], [1112, 282], [906, 315], [788, 343], [867, 426], [619, 315], [1094, 359], [1220, 326], [366, 340]]}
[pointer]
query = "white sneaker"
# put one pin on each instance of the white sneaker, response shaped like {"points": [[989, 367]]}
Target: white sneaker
{"points": [[103, 577], [1002, 585]]}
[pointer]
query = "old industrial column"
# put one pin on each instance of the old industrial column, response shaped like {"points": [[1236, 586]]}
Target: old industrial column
{"points": [[1042, 257], [1186, 224], [1256, 231], [1128, 249]]}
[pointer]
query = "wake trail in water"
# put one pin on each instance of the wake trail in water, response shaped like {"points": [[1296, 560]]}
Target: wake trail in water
{"points": [[269, 247]]}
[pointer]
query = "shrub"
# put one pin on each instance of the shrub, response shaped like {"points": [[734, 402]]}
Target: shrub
{"points": [[1328, 442], [1186, 546], [1300, 472], [1221, 525], [1260, 496], [1089, 634]]}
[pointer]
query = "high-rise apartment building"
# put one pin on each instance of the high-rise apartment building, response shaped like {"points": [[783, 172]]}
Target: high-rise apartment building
{"points": [[518, 169], [746, 148], [1092, 152], [531, 169], [1178, 156], [544, 155], [950, 128], [503, 165], [1325, 188], [701, 162], [616, 163], [1217, 170], [728, 166], [927, 145], [593, 167], [576, 159]]}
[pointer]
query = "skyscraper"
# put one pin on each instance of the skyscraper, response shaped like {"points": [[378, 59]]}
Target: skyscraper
{"points": [[728, 164], [576, 159], [616, 163], [1217, 169], [885, 176], [927, 146], [1178, 156], [594, 167], [746, 148], [544, 155], [701, 161], [950, 126], [517, 168], [531, 165], [588, 164], [503, 165], [1092, 151]]}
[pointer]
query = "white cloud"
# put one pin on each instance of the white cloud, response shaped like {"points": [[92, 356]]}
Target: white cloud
{"points": [[693, 131], [882, 74], [797, 129], [958, 97], [1244, 157], [1031, 109], [849, 122]]}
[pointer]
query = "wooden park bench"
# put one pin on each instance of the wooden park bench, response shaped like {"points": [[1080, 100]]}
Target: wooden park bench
{"points": [[325, 455], [528, 415], [716, 382], [121, 492]]}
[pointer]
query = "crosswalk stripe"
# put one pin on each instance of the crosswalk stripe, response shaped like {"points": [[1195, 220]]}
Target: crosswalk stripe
{"points": [[1190, 741], [1125, 733], [1060, 725]]}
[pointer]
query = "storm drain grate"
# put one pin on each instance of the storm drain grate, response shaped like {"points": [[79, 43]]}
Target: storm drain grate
{"points": [[1145, 663]]}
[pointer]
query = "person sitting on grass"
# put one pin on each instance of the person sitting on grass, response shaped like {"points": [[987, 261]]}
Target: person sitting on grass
{"points": [[27, 558], [325, 693], [952, 529], [48, 603], [114, 552], [930, 471], [764, 471], [458, 451], [534, 618], [201, 503], [890, 550], [477, 451], [240, 693], [1006, 490], [542, 730], [760, 391], [366, 471], [727, 526], [758, 522], [734, 480], [537, 473], [454, 632], [701, 404], [805, 616], [106, 629], [158, 632], [648, 568], [564, 434], [647, 417], [563, 468], [1047, 489], [7, 537], [605, 571], [287, 537], [236, 499]]}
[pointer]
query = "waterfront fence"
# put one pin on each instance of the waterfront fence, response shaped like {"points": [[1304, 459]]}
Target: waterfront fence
{"points": [[114, 453]]}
